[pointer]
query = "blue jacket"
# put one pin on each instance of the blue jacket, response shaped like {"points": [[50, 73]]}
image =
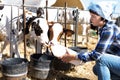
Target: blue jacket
{"points": [[109, 42]]}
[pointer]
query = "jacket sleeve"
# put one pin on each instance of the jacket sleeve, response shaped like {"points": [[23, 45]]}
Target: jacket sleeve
{"points": [[106, 38]]}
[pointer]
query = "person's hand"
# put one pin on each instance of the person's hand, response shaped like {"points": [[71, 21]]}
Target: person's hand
{"points": [[67, 57]]}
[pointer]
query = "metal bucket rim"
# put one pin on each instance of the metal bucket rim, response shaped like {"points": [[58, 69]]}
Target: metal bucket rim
{"points": [[37, 60], [23, 61]]}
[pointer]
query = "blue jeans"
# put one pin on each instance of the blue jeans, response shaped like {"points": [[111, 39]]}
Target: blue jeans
{"points": [[107, 67]]}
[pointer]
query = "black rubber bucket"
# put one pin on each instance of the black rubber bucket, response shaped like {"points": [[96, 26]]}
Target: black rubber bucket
{"points": [[14, 68], [40, 66]]}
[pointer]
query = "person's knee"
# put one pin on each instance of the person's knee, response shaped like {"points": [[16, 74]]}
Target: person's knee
{"points": [[96, 67]]}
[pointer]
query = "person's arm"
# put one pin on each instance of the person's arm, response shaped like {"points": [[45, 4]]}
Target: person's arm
{"points": [[106, 39]]}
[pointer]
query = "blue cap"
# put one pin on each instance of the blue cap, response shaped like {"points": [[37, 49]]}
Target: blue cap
{"points": [[104, 8]]}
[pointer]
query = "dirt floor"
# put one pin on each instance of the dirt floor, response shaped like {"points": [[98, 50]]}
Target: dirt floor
{"points": [[81, 72]]}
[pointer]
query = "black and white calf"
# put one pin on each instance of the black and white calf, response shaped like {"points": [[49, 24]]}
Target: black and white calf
{"points": [[36, 29]]}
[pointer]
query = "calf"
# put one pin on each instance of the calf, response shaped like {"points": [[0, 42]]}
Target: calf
{"points": [[11, 30], [36, 29], [56, 30]]}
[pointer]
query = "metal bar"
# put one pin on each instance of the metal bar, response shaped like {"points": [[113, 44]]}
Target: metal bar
{"points": [[76, 28], [8, 5], [46, 10], [11, 35], [65, 23], [24, 26]]}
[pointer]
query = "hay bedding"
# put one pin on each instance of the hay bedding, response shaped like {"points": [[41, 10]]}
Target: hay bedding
{"points": [[81, 72]]}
